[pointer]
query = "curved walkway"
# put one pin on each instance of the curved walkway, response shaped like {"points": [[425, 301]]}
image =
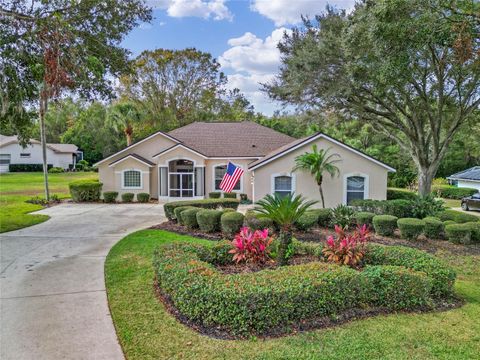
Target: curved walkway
{"points": [[52, 292]]}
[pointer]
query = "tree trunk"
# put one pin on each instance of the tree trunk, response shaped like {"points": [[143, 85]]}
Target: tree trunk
{"points": [[128, 133], [321, 195], [425, 178], [285, 238], [43, 139]]}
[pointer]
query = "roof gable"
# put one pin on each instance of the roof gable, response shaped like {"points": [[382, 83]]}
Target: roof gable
{"points": [[134, 157]]}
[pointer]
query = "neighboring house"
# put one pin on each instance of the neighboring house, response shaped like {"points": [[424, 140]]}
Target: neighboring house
{"points": [[189, 162], [469, 178], [58, 155]]}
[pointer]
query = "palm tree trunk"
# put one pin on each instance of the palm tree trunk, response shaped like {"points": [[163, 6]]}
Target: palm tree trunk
{"points": [[128, 132], [285, 238], [321, 195]]}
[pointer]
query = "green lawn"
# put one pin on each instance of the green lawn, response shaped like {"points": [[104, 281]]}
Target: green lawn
{"points": [[15, 188], [147, 331], [452, 203]]}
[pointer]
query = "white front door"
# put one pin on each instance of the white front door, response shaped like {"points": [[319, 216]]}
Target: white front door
{"points": [[4, 163]]}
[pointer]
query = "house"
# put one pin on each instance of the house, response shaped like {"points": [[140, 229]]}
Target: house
{"points": [[58, 155], [469, 178], [189, 162]]}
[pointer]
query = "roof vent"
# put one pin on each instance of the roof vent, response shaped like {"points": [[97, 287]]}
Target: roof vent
{"points": [[254, 145]]}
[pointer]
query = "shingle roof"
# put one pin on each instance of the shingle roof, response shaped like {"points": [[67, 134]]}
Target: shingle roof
{"points": [[230, 139], [61, 148], [470, 174]]}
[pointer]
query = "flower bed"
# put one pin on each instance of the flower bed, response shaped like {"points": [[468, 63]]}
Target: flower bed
{"points": [[277, 300]]}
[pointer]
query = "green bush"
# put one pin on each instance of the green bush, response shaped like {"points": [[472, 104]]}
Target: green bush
{"points": [[243, 197], [128, 197], [459, 233], [178, 211], [205, 204], [457, 216], [110, 196], [364, 217], [81, 165], [452, 192], [189, 217], [343, 216], [55, 170], [27, 167], [85, 190], [448, 222], [214, 195], [426, 206], [400, 208], [254, 221], [404, 194], [324, 216], [230, 195], [209, 220], [307, 221], [384, 225], [410, 228], [143, 197], [433, 227], [231, 222], [474, 230]]}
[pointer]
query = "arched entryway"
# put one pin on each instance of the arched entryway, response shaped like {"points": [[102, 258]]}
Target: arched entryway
{"points": [[181, 179]]}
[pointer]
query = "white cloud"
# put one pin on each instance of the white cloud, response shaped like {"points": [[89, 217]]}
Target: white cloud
{"points": [[283, 12], [206, 9]]}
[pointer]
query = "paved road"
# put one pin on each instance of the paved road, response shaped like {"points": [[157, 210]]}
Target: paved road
{"points": [[471, 212], [52, 292]]}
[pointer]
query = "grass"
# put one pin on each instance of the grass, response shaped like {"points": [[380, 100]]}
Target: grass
{"points": [[452, 203], [147, 331], [15, 188]]}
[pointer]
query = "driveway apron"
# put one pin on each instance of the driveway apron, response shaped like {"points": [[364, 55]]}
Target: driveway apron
{"points": [[53, 303]]}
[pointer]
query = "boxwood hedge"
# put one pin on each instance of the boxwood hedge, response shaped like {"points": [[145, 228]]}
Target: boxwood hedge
{"points": [[205, 204], [189, 217], [452, 192], [433, 227], [457, 216], [254, 303], [393, 194], [231, 222], [110, 196], [255, 222], [459, 233], [209, 220], [178, 212], [85, 190], [385, 224], [364, 217], [410, 228]]}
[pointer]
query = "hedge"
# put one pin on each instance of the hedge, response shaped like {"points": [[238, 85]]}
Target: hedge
{"points": [[433, 227], [178, 211], [230, 195], [384, 224], [231, 222], [205, 204], [209, 220], [364, 217], [55, 170], [110, 196], [143, 197], [410, 228], [457, 216], [214, 195], [254, 221], [452, 192], [254, 303], [400, 208], [307, 221], [459, 233], [127, 197], [189, 217], [394, 193], [28, 167], [324, 216], [85, 190]]}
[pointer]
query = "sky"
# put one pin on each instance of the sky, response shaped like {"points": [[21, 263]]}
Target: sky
{"points": [[242, 34]]}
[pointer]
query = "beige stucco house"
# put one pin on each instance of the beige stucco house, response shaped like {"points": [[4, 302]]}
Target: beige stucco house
{"points": [[189, 162]]}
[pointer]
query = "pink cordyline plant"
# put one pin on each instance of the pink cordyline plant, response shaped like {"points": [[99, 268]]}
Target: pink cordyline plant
{"points": [[251, 246], [347, 249]]}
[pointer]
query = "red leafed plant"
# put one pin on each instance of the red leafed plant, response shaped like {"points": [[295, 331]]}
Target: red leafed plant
{"points": [[347, 249], [251, 246]]}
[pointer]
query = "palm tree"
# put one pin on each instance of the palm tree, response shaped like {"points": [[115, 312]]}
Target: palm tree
{"points": [[284, 211], [317, 163], [122, 116]]}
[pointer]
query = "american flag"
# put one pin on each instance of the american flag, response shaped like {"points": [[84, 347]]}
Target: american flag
{"points": [[231, 177]]}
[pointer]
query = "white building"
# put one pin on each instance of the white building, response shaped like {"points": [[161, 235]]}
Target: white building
{"points": [[469, 178], [58, 155]]}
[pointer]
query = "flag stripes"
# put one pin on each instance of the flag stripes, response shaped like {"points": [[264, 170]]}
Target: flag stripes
{"points": [[231, 177]]}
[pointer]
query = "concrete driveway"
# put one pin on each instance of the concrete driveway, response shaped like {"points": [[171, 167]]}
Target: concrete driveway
{"points": [[52, 290]]}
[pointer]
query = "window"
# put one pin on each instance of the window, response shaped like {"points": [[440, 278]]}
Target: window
{"points": [[219, 173], [282, 185], [24, 155], [355, 188], [4, 159], [132, 179]]}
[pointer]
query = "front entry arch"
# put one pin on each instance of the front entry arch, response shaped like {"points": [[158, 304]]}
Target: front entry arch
{"points": [[181, 179]]}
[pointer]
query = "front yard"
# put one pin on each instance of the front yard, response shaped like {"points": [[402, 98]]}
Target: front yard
{"points": [[147, 331], [16, 188]]}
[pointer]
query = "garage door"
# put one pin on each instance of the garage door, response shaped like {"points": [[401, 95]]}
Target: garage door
{"points": [[4, 163]]}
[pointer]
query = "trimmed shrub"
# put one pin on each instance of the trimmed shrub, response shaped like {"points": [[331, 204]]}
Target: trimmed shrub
{"points": [[205, 204], [85, 190], [448, 222], [433, 227], [457, 216], [459, 233], [209, 220], [410, 228], [231, 222], [364, 217], [225, 210], [189, 217], [143, 197], [307, 221], [254, 221], [324, 216], [404, 194], [230, 195], [27, 167], [400, 208], [474, 230], [110, 196], [128, 197], [384, 225], [452, 192], [178, 211], [55, 170], [214, 195]]}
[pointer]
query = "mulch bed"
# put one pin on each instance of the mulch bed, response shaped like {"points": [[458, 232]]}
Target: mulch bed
{"points": [[183, 230]]}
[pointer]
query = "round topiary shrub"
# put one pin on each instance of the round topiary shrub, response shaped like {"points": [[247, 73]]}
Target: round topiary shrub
{"points": [[178, 211], [143, 197], [364, 217], [457, 216], [231, 222], [209, 220], [433, 227], [384, 225], [254, 221], [324, 217], [474, 230], [228, 210], [458, 233], [189, 217], [110, 196], [410, 228], [230, 195], [214, 195], [307, 221], [85, 190], [55, 170], [128, 197]]}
